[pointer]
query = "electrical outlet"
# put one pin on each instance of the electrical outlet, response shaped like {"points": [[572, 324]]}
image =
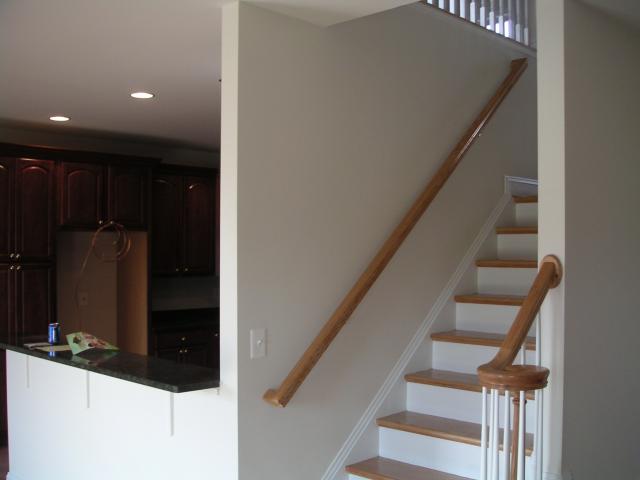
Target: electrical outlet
{"points": [[258, 343], [83, 299]]}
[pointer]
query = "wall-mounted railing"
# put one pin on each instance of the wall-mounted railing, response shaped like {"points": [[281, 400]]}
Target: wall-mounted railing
{"points": [[281, 396], [500, 377], [514, 19]]}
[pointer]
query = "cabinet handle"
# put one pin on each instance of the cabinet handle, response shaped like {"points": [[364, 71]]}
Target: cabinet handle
{"points": [[177, 269], [184, 339], [100, 222], [17, 256], [186, 350], [186, 269], [216, 335], [12, 255], [12, 267], [18, 268]]}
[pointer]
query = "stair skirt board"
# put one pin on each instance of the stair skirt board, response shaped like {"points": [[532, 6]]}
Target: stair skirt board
{"points": [[336, 468], [488, 318], [514, 247], [464, 358], [457, 404], [436, 453]]}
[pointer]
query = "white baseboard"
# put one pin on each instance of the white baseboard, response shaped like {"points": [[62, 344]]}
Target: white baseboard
{"points": [[339, 462], [11, 476]]}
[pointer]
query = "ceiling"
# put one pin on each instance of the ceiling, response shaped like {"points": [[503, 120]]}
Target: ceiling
{"points": [[82, 59], [626, 10]]}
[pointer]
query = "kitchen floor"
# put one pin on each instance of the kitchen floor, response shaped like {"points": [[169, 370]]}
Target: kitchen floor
{"points": [[4, 463]]}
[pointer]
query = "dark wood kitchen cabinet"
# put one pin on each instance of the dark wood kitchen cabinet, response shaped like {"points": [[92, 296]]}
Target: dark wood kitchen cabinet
{"points": [[92, 194], [35, 300], [6, 208], [199, 346], [183, 223]]}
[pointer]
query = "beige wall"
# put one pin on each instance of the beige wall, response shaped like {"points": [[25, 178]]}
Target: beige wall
{"points": [[99, 282], [338, 130], [602, 385]]}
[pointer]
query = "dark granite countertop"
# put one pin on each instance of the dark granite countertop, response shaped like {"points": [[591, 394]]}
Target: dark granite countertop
{"points": [[131, 367]]}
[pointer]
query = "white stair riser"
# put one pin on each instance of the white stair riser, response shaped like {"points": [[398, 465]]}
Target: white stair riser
{"points": [[505, 281], [466, 358], [435, 453], [517, 246], [526, 214], [486, 318], [457, 404]]}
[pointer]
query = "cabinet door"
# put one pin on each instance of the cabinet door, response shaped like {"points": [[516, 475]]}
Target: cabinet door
{"points": [[166, 225], [7, 300], [128, 196], [6, 208], [81, 199], [34, 300], [199, 234], [197, 354], [35, 213]]}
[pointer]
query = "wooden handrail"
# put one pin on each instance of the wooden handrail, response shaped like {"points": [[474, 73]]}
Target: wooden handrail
{"points": [[303, 367], [500, 373]]}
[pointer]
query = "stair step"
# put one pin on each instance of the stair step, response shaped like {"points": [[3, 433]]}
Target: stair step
{"points": [[379, 468], [448, 379], [517, 230], [509, 300], [525, 199], [440, 427], [484, 339], [496, 263]]}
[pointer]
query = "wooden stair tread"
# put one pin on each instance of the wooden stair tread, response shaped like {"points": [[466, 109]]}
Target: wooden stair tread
{"points": [[380, 468], [448, 379], [469, 337], [525, 199], [516, 230], [496, 263], [509, 300], [440, 427]]}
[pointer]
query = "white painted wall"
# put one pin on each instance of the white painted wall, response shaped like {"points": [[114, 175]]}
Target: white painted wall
{"points": [[328, 136], [109, 428], [602, 192]]}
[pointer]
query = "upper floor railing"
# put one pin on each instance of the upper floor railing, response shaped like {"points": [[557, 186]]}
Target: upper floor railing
{"points": [[514, 19]]}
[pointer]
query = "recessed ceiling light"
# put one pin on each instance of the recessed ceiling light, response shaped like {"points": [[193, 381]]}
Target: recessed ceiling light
{"points": [[59, 118], [142, 95]]}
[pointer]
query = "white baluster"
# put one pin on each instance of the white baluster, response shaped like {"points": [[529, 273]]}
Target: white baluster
{"points": [[464, 9], [441, 4], [483, 13], [483, 437], [506, 436], [492, 15], [526, 22], [490, 454], [538, 437], [473, 14], [518, 21], [452, 6], [495, 436], [500, 28], [521, 435]]}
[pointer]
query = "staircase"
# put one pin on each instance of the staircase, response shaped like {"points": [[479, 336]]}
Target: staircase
{"points": [[438, 436]]}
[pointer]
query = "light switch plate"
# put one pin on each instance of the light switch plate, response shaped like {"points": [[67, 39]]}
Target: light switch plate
{"points": [[258, 343]]}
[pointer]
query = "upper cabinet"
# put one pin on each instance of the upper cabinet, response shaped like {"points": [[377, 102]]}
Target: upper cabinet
{"points": [[92, 194], [27, 199], [81, 194], [183, 222]]}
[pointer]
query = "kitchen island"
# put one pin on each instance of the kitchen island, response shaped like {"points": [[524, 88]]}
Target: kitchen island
{"points": [[110, 415]]}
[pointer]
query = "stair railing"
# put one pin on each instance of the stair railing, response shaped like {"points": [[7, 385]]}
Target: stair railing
{"points": [[281, 396], [501, 377]]}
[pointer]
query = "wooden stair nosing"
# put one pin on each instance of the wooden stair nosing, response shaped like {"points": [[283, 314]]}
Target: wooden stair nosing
{"points": [[485, 299], [443, 428], [530, 230], [525, 199], [497, 263], [448, 379], [484, 339], [380, 468]]}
